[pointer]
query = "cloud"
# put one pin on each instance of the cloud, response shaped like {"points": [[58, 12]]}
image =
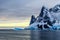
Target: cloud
{"points": [[23, 8]]}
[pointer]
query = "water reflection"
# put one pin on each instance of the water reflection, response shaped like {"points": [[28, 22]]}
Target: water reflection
{"points": [[45, 35]]}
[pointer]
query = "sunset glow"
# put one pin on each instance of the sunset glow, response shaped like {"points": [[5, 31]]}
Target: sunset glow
{"points": [[24, 24], [15, 23]]}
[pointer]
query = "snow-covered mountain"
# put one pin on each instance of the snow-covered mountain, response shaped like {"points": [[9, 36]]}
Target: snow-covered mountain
{"points": [[47, 19]]}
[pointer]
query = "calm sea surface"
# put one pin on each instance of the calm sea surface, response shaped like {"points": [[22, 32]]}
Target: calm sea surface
{"points": [[29, 35]]}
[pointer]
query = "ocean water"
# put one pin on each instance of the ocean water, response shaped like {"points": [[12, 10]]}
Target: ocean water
{"points": [[14, 35], [29, 35]]}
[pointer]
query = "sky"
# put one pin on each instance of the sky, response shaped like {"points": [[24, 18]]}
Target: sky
{"points": [[18, 12]]}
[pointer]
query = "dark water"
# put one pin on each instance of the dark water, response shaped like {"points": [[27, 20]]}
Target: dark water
{"points": [[29, 35], [45, 35]]}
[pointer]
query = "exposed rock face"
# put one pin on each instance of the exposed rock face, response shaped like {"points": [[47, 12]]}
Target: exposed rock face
{"points": [[43, 15], [33, 19], [56, 8]]}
